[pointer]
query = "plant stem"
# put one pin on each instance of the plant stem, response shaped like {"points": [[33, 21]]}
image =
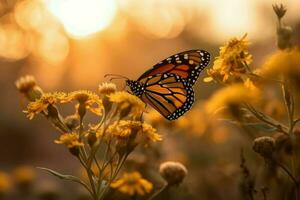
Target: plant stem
{"points": [[286, 170], [290, 107], [164, 187]]}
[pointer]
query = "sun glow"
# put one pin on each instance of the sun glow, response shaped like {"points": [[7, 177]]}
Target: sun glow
{"points": [[83, 17]]}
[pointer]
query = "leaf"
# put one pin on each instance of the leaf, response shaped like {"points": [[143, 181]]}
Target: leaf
{"points": [[254, 125], [260, 126], [66, 177]]}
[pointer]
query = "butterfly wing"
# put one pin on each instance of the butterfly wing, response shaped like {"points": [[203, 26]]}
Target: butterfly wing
{"points": [[187, 65], [169, 94]]}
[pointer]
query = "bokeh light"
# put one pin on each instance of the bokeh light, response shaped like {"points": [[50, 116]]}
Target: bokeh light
{"points": [[83, 17]]}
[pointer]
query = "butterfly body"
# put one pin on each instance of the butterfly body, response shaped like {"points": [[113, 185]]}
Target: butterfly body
{"points": [[168, 86]]}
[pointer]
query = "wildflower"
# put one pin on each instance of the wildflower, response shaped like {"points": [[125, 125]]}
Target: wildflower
{"points": [[173, 172], [125, 128], [107, 88], [231, 97], [132, 184], [41, 104], [232, 61], [265, 146], [27, 85], [127, 104], [131, 133], [24, 176], [86, 101], [71, 140], [5, 183]]}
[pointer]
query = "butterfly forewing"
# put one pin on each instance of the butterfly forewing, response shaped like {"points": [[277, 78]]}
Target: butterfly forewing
{"points": [[187, 65], [170, 94]]}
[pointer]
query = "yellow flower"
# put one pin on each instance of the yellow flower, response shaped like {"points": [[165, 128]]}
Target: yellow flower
{"points": [[283, 63], [5, 182], [71, 140], [43, 103], [132, 184], [232, 61], [24, 175], [87, 101], [127, 104], [107, 88], [232, 96], [125, 128]]}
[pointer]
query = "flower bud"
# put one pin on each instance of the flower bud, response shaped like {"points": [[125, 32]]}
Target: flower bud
{"points": [[173, 172], [265, 146], [92, 137], [72, 121], [107, 88], [27, 86]]}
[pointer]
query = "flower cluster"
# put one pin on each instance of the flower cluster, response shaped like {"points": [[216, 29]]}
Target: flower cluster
{"points": [[132, 183], [232, 63], [118, 130]]}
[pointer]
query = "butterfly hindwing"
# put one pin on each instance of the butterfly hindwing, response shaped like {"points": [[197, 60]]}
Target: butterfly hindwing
{"points": [[187, 65], [170, 94]]}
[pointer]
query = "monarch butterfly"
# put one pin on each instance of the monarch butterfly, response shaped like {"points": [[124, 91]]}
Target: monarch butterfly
{"points": [[168, 85]]}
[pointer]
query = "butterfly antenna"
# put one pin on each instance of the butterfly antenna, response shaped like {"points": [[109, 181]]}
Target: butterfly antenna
{"points": [[115, 76]]}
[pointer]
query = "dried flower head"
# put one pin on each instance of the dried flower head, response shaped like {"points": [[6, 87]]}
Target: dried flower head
{"points": [[71, 140], [173, 172], [43, 103], [132, 184], [279, 10], [25, 83], [27, 86], [24, 175], [232, 61], [265, 146], [107, 88], [127, 104], [5, 182]]}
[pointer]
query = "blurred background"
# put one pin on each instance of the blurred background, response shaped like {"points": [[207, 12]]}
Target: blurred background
{"points": [[71, 44]]}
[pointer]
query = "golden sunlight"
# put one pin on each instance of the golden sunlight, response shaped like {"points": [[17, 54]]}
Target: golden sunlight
{"points": [[83, 17]]}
